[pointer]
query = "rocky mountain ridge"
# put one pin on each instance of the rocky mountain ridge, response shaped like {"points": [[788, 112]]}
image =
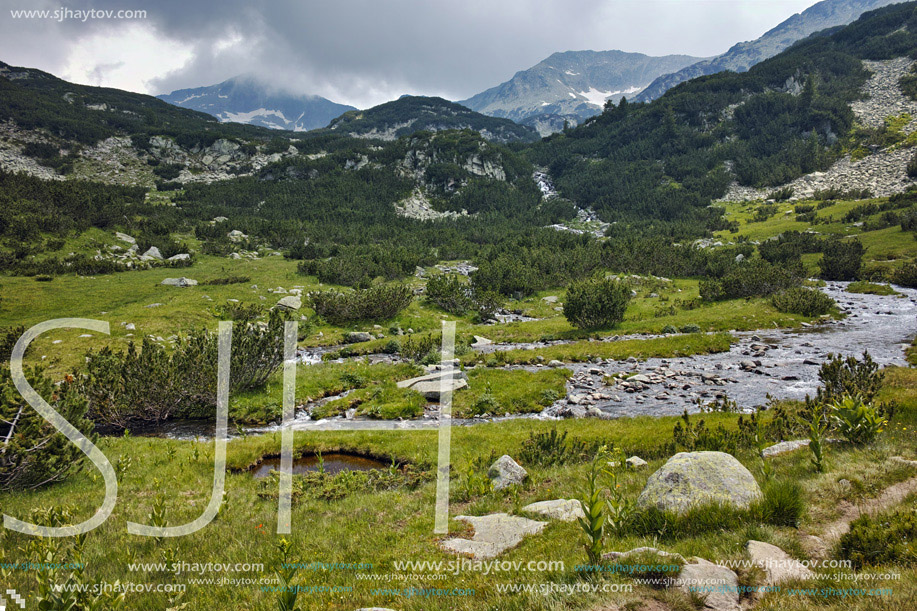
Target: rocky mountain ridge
{"points": [[572, 86], [744, 55]]}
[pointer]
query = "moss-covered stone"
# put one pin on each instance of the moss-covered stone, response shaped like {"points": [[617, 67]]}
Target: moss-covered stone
{"points": [[695, 478]]}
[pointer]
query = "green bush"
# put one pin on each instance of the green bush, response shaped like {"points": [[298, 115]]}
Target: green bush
{"points": [[803, 301], [849, 377], [33, 453], [842, 260], [783, 503], [150, 383], [669, 329], [690, 328], [449, 293], [459, 298], [419, 348], [750, 278], [888, 538], [906, 275], [859, 422], [594, 303], [376, 303], [551, 449]]}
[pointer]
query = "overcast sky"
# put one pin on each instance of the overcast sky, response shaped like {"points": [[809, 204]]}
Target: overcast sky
{"points": [[363, 52]]}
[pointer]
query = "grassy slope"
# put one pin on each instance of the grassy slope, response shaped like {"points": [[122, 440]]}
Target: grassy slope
{"points": [[381, 528]]}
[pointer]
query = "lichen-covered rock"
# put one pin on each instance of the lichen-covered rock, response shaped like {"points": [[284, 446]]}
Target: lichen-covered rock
{"points": [[506, 472], [565, 510], [692, 478]]}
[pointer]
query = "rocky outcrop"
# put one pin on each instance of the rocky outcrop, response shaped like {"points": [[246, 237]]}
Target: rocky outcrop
{"points": [[695, 478], [493, 535], [883, 172], [417, 206]]}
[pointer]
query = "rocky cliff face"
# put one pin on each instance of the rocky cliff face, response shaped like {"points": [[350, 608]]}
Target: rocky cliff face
{"points": [[744, 55]]}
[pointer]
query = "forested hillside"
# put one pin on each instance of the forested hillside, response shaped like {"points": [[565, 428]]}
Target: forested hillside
{"points": [[787, 116]]}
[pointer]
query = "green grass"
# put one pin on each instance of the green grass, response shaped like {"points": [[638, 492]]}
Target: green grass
{"points": [[393, 525], [499, 392], [385, 401], [578, 352], [871, 288], [885, 248]]}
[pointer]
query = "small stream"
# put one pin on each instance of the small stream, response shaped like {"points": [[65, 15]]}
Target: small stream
{"points": [[781, 363]]}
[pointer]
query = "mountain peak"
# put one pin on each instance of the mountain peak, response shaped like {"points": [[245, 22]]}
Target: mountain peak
{"points": [[246, 99], [572, 85]]}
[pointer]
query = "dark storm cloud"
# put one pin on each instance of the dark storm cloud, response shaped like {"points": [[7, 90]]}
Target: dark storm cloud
{"points": [[365, 51]]}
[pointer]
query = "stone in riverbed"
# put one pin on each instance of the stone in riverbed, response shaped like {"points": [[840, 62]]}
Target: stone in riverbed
{"points": [[354, 337], [431, 385], [692, 478], [506, 472]]}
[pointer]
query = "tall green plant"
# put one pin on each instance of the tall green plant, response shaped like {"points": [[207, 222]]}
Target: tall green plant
{"points": [[816, 423], [593, 520]]}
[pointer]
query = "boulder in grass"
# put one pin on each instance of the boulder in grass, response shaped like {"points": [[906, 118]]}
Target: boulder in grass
{"points": [[291, 302], [697, 478], [152, 253], [506, 472], [179, 282], [355, 337]]}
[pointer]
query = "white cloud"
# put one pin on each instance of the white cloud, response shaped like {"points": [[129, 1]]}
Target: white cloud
{"points": [[127, 58]]}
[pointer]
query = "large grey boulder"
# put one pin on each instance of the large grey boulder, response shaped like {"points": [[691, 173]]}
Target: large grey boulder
{"points": [[493, 534], [692, 478], [506, 472], [432, 385], [125, 238], [180, 257], [290, 302], [355, 337], [180, 282]]}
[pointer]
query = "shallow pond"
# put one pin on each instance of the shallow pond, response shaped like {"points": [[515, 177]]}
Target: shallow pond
{"points": [[331, 463]]}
